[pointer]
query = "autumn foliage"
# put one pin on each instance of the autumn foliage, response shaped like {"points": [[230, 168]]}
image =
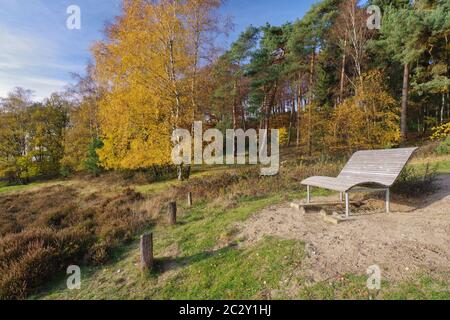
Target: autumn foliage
{"points": [[369, 120], [330, 84]]}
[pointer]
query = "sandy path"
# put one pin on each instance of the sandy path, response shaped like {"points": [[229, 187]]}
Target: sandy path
{"points": [[402, 244]]}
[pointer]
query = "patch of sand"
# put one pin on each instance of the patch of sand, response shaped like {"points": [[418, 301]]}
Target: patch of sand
{"points": [[412, 239]]}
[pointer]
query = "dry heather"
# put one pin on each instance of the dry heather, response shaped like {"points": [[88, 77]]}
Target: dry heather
{"points": [[42, 232], [247, 182]]}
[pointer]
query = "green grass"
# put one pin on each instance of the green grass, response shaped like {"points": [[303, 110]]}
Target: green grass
{"points": [[422, 288], [442, 167], [6, 189], [200, 258], [199, 270], [230, 273], [439, 163], [348, 287], [353, 287]]}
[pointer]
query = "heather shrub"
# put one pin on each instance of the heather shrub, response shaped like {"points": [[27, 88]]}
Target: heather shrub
{"points": [[58, 217], [99, 253], [54, 230], [247, 181], [31, 257], [34, 266]]}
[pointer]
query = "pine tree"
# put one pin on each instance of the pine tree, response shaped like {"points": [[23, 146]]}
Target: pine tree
{"points": [[405, 44]]}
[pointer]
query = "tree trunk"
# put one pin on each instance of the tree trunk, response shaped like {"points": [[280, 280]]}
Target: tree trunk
{"points": [[448, 105], [180, 174], [311, 95], [342, 84], [299, 110], [176, 112], [244, 126], [404, 115], [235, 111], [291, 120], [269, 101], [447, 94]]}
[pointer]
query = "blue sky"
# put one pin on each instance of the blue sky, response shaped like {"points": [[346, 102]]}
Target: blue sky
{"points": [[38, 52]]}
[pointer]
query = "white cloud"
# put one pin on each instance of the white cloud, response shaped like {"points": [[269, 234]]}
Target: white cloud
{"points": [[19, 50], [31, 63], [42, 87], [37, 51]]}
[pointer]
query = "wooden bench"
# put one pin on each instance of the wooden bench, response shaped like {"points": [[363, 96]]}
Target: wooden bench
{"points": [[366, 171]]}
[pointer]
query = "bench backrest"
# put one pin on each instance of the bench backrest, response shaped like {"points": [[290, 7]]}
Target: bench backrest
{"points": [[380, 166]]}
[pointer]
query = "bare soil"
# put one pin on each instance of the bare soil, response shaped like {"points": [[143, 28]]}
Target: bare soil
{"points": [[414, 238]]}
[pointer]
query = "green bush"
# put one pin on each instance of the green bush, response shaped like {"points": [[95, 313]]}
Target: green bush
{"points": [[413, 183], [444, 147], [92, 163], [65, 171]]}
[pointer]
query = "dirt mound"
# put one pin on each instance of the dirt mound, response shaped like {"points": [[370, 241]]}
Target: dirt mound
{"points": [[412, 239]]}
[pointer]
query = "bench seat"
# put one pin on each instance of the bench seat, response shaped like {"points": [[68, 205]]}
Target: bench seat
{"points": [[372, 170], [341, 184]]}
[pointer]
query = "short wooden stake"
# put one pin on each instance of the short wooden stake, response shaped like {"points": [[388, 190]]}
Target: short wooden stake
{"points": [[190, 199], [172, 213], [147, 252]]}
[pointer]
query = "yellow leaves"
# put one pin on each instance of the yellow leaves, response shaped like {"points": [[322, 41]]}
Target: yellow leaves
{"points": [[148, 68], [78, 137], [283, 137], [136, 130], [143, 66], [441, 132], [369, 120]]}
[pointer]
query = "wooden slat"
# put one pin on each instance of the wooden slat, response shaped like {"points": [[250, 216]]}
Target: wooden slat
{"points": [[380, 166], [377, 168]]}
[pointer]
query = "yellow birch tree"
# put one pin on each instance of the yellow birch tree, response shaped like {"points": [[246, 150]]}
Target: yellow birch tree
{"points": [[149, 66]]}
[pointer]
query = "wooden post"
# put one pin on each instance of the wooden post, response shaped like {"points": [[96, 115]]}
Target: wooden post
{"points": [[308, 194], [190, 202], [347, 205], [172, 213], [147, 252], [388, 201]]}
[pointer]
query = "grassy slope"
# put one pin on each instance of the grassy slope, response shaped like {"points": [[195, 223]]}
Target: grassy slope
{"points": [[439, 163], [15, 188], [192, 264], [199, 270]]}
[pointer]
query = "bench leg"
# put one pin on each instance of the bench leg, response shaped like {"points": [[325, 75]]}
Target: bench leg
{"points": [[308, 194], [388, 201], [347, 205]]}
